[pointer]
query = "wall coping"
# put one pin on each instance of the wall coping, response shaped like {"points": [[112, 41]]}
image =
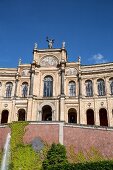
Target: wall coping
{"points": [[2, 126], [47, 122], [73, 125], [104, 128]]}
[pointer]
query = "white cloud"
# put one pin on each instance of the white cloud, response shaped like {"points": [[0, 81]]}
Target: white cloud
{"points": [[99, 58]]}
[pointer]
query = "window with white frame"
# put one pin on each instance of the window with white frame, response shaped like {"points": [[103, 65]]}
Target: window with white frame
{"points": [[48, 86], [89, 88], [101, 87], [111, 86], [72, 88], [24, 89], [9, 87]]}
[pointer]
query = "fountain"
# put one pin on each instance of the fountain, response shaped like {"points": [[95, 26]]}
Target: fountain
{"points": [[6, 154]]}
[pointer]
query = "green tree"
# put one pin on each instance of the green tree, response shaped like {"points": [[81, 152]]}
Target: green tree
{"points": [[55, 156]]}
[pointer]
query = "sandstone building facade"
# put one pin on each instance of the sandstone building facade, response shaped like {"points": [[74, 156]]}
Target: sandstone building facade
{"points": [[53, 89]]}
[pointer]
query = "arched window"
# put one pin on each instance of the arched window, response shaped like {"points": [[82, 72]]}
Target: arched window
{"points": [[24, 89], [72, 88], [89, 88], [101, 87], [111, 86], [48, 86], [9, 87]]}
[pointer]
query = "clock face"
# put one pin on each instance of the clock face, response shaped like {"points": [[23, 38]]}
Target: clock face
{"points": [[49, 61]]}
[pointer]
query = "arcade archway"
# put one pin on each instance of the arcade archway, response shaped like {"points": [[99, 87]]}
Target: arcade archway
{"points": [[90, 117], [4, 116], [47, 113], [103, 117], [72, 116], [21, 115]]}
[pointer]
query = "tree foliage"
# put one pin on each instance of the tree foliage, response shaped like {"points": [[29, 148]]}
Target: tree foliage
{"points": [[91, 155], [55, 156], [23, 157], [1, 156]]}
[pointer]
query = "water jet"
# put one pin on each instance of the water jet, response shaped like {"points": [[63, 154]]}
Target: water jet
{"points": [[6, 153]]}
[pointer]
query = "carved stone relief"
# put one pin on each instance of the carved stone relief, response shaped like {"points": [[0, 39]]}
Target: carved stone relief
{"points": [[49, 61], [25, 73], [71, 71]]}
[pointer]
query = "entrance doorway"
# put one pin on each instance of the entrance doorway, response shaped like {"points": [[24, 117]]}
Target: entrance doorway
{"points": [[4, 116], [46, 113]]}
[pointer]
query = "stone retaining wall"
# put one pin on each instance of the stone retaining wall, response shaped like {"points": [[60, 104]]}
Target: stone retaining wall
{"points": [[84, 138], [4, 130], [80, 137], [47, 132]]}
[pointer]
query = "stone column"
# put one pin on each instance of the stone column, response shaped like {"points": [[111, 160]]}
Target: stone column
{"points": [[62, 97], [4, 89], [13, 112], [108, 86], [79, 98], [96, 105], [53, 115], [97, 119], [62, 76], [57, 111], [95, 87], [109, 115], [29, 109], [62, 108], [62, 81], [61, 134], [16, 83], [109, 101], [40, 115], [31, 82], [80, 84]]}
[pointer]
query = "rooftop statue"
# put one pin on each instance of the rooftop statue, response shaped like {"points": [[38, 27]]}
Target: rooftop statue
{"points": [[50, 42], [35, 46], [63, 44], [20, 61]]}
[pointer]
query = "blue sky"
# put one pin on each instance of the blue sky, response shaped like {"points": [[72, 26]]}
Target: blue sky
{"points": [[85, 25]]}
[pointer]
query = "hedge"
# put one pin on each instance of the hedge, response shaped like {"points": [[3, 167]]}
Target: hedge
{"points": [[103, 165]]}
